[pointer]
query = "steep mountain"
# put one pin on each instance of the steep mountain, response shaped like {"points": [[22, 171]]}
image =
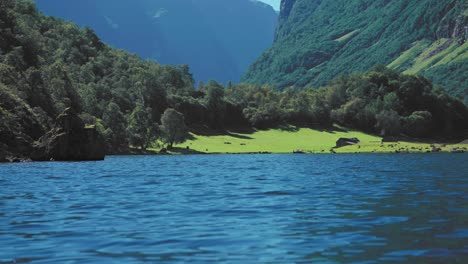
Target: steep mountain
{"points": [[66, 95], [317, 40], [218, 39]]}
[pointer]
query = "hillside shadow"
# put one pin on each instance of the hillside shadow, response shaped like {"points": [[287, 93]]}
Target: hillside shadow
{"points": [[328, 129], [229, 133], [289, 128], [332, 130], [190, 137], [238, 132]]}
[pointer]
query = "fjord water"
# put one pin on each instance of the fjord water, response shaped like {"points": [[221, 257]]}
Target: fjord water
{"points": [[237, 209]]}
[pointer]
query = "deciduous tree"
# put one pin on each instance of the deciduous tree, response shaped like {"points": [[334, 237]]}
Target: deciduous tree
{"points": [[173, 127]]}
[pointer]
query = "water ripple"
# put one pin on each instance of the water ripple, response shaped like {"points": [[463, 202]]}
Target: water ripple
{"points": [[217, 209]]}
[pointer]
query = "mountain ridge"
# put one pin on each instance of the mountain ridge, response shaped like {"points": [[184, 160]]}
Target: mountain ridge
{"points": [[218, 39]]}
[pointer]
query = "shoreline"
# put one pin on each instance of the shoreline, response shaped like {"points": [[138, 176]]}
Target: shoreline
{"points": [[26, 160], [298, 141], [286, 153]]}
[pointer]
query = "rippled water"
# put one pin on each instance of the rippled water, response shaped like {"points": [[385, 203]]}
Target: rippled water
{"points": [[237, 209]]}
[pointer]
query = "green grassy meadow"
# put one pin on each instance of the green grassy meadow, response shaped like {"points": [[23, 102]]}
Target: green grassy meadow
{"points": [[305, 139]]}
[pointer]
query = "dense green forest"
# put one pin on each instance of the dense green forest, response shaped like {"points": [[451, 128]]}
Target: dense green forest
{"points": [[317, 41], [50, 68], [381, 101]]}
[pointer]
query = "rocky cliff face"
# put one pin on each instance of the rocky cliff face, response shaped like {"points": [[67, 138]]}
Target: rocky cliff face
{"points": [[286, 7], [70, 140], [461, 29], [19, 126], [454, 22], [285, 11]]}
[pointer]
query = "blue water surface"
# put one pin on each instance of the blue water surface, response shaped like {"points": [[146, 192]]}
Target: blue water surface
{"points": [[237, 209]]}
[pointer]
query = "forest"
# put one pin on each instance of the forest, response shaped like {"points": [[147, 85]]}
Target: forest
{"points": [[49, 66]]}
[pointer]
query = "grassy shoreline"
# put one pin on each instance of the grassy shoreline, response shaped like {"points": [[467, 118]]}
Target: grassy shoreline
{"points": [[304, 140]]}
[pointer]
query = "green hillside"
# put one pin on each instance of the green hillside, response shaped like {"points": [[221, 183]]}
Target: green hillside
{"points": [[50, 69], [444, 61], [319, 40], [66, 95]]}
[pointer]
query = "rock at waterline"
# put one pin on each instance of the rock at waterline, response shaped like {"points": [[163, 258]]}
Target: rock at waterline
{"points": [[342, 142], [299, 151], [457, 150], [163, 151], [70, 140]]}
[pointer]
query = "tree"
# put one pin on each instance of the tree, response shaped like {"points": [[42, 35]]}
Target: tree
{"points": [[173, 127], [388, 121], [7, 24], [215, 103], [115, 121], [418, 124], [391, 102], [140, 130]]}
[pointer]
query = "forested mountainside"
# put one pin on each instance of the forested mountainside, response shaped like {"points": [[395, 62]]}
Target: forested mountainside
{"points": [[219, 39], [64, 94], [318, 40]]}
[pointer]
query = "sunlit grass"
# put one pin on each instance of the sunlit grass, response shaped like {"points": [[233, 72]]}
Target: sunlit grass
{"points": [[459, 54], [306, 139], [347, 36], [432, 55], [407, 58]]}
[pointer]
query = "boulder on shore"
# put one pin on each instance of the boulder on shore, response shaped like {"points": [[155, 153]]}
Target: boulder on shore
{"points": [[457, 150], [342, 142], [70, 140], [163, 151]]}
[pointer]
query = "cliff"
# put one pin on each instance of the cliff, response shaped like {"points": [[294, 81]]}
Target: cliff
{"points": [[69, 140], [318, 40]]}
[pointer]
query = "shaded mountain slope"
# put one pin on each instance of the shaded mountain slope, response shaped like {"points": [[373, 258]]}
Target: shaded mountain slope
{"points": [[219, 39]]}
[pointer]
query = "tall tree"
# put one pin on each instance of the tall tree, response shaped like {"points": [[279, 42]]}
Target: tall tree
{"points": [[215, 103], [388, 121], [173, 127], [115, 122], [418, 124], [140, 130]]}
